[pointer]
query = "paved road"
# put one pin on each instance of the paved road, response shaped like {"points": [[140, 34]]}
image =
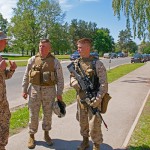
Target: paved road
{"points": [[14, 84], [128, 95]]}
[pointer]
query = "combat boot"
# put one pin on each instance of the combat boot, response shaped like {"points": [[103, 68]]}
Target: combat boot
{"points": [[47, 138], [84, 144], [96, 146], [31, 142]]}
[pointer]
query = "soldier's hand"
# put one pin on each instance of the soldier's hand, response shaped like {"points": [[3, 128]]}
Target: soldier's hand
{"points": [[24, 95], [59, 97], [95, 102], [13, 65], [3, 65], [75, 85]]}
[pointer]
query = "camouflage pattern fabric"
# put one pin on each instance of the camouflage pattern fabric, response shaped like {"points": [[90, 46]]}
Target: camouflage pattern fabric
{"points": [[90, 125], [4, 109], [42, 96], [45, 96]]}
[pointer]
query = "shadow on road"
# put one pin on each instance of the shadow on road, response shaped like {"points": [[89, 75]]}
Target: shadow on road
{"points": [[138, 80], [71, 145]]}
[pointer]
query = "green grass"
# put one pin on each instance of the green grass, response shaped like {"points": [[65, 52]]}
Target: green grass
{"points": [[17, 57], [62, 57], [69, 96], [140, 139], [21, 63], [19, 118], [25, 58], [122, 70]]}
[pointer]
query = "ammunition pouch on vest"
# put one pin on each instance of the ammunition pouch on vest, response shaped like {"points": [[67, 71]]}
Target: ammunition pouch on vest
{"points": [[34, 77], [43, 72]]}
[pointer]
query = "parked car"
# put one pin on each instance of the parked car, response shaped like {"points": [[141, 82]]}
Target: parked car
{"points": [[76, 55], [113, 55], [120, 54], [137, 58], [106, 55], [95, 54], [145, 57]]}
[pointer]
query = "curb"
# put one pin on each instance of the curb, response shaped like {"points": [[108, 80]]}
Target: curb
{"points": [[124, 145]]}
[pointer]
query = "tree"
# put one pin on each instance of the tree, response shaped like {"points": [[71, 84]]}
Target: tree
{"points": [[132, 47], [125, 43], [33, 20], [60, 39], [81, 29], [136, 10], [3, 24], [103, 41], [4, 28], [123, 39], [144, 47]]}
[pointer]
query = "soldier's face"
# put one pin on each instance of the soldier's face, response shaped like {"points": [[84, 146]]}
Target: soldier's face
{"points": [[2, 44], [84, 49], [44, 49]]}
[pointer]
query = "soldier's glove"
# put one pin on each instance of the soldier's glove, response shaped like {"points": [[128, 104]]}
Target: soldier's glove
{"points": [[75, 85], [95, 102]]}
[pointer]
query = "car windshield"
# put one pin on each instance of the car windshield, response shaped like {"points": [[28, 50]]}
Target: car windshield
{"points": [[137, 56], [76, 53]]}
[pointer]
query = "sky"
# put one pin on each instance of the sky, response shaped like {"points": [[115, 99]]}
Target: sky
{"points": [[96, 11]]}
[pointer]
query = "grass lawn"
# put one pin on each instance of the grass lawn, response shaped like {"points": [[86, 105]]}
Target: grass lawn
{"points": [[19, 118], [61, 57], [24, 59], [122, 70], [140, 139]]}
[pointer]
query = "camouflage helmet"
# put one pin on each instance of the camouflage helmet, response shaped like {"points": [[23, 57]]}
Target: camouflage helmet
{"points": [[59, 108]]}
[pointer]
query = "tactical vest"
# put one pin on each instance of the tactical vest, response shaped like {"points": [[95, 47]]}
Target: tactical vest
{"points": [[43, 72], [89, 67]]}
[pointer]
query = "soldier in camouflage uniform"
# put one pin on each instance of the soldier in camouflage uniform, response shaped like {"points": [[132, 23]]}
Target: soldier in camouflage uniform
{"points": [[44, 74], [90, 125], [4, 106]]}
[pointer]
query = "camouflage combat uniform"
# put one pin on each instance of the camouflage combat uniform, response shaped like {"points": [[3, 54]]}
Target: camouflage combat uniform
{"points": [[42, 95], [91, 124], [4, 109]]}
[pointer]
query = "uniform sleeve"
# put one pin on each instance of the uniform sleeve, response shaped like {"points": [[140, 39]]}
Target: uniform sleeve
{"points": [[102, 75], [25, 81], [73, 80], [60, 77], [1, 88]]}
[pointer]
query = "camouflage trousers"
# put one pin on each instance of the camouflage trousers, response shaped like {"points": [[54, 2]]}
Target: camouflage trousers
{"points": [[90, 125], [40, 96], [4, 123]]}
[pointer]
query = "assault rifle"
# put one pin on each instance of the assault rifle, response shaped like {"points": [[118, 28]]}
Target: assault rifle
{"points": [[87, 86]]}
